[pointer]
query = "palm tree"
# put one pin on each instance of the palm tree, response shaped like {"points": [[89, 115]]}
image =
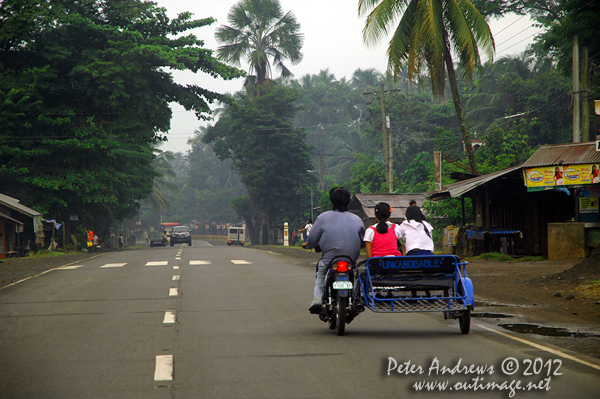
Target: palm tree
{"points": [[261, 33], [364, 79], [426, 34]]}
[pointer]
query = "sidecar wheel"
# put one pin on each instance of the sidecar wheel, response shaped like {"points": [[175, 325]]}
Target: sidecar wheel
{"points": [[464, 321]]}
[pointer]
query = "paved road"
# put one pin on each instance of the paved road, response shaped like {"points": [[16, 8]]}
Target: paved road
{"points": [[230, 322]]}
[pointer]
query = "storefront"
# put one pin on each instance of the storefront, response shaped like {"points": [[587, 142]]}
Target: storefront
{"points": [[19, 227], [581, 181], [552, 200]]}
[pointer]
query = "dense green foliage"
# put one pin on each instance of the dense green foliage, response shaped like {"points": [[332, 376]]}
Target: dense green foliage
{"points": [[84, 93], [269, 154]]}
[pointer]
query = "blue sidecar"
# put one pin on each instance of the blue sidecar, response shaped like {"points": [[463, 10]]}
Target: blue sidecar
{"points": [[436, 283]]}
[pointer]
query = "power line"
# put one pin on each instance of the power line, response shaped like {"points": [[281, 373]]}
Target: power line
{"points": [[511, 24], [515, 35]]}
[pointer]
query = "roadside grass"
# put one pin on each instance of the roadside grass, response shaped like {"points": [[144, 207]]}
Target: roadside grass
{"points": [[496, 256], [44, 254]]}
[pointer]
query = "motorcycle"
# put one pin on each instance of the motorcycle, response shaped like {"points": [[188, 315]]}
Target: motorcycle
{"points": [[341, 300]]}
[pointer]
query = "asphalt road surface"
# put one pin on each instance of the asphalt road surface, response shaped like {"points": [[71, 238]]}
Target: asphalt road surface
{"points": [[229, 322]]}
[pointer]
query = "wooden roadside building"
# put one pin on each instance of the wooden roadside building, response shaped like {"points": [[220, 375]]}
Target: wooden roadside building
{"points": [[363, 205], [19, 227], [548, 206]]}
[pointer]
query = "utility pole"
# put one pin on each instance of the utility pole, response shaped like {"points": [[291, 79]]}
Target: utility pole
{"points": [[386, 154], [437, 165], [576, 120], [321, 167], [388, 147], [390, 156], [585, 89]]}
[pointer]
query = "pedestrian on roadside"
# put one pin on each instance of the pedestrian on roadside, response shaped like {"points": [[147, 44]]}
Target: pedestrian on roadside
{"points": [[307, 228], [95, 243], [120, 241]]}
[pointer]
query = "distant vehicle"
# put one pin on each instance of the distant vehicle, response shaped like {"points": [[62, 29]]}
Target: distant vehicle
{"points": [[236, 236], [181, 234], [165, 235]]}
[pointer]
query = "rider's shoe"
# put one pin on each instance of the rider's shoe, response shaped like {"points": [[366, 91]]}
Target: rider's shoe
{"points": [[315, 309]]}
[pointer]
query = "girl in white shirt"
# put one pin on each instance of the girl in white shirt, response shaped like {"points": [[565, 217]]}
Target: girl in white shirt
{"points": [[416, 233]]}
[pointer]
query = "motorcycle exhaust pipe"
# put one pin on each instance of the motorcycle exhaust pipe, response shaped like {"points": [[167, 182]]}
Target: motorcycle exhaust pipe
{"points": [[360, 309]]}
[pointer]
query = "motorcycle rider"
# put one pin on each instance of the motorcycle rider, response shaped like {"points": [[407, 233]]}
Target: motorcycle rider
{"points": [[336, 232]]}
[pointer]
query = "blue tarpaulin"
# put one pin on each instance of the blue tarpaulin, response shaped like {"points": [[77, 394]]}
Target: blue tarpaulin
{"points": [[478, 234]]}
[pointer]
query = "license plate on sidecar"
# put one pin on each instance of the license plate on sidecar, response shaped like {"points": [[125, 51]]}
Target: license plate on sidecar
{"points": [[342, 285]]}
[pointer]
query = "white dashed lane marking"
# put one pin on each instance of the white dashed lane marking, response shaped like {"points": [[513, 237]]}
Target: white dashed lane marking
{"points": [[69, 267], [158, 263], [200, 262], [176, 277], [164, 368], [241, 262], [169, 317], [113, 265], [173, 292], [175, 267]]}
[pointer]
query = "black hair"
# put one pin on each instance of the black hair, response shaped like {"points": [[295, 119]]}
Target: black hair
{"points": [[340, 198], [383, 212], [415, 213], [412, 202], [309, 221]]}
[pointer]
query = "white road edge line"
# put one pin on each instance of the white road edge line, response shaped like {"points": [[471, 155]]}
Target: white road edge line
{"points": [[47, 271], [542, 347], [164, 368], [169, 317]]}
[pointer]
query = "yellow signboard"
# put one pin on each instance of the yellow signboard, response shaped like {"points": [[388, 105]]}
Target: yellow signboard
{"points": [[562, 175]]}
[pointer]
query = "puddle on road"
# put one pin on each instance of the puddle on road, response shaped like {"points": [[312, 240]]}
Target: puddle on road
{"points": [[485, 304], [488, 315], [547, 331]]}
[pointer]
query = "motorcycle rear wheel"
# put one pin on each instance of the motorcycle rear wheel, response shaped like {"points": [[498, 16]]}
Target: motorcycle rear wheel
{"points": [[340, 314]]}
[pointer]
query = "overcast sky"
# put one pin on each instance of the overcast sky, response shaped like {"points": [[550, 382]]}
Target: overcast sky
{"points": [[332, 39]]}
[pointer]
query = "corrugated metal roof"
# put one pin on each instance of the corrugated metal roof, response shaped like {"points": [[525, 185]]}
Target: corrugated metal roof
{"points": [[14, 204], [564, 154], [459, 188], [3, 216], [398, 202]]}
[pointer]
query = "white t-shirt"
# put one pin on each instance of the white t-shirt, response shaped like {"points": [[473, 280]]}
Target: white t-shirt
{"points": [[370, 233], [414, 235], [308, 227]]}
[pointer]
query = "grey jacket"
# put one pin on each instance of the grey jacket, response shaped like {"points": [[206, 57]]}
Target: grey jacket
{"points": [[337, 233]]}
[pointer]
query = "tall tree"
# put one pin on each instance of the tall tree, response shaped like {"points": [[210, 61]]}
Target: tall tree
{"points": [[84, 94], [270, 155], [261, 33], [425, 37]]}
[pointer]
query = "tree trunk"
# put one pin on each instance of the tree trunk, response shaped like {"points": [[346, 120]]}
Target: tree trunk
{"points": [[459, 111]]}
